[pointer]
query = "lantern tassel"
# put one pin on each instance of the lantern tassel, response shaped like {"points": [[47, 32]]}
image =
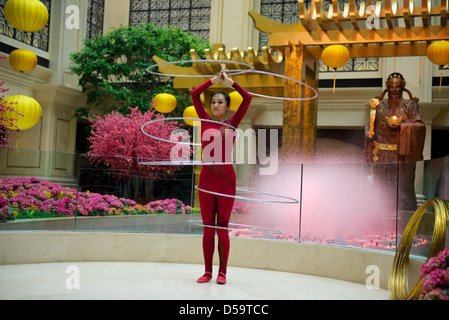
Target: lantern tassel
{"points": [[441, 82], [334, 82]]}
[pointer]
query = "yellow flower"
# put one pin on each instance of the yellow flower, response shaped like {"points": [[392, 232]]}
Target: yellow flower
{"points": [[12, 194]]}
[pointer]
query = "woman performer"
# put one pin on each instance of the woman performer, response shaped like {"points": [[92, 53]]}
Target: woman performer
{"points": [[216, 210]]}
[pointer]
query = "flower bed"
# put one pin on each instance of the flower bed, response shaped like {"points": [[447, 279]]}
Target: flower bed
{"points": [[435, 277], [32, 197], [25, 198]]}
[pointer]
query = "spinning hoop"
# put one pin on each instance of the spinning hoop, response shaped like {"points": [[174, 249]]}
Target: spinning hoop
{"points": [[230, 72], [281, 98], [290, 200], [262, 229], [181, 118], [236, 72]]}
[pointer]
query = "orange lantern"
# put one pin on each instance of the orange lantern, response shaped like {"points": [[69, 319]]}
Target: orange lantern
{"points": [[164, 103], [438, 53], [236, 100], [26, 15], [335, 56], [23, 60]]}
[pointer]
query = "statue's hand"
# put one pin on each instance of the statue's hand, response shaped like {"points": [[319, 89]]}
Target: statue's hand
{"points": [[373, 103]]}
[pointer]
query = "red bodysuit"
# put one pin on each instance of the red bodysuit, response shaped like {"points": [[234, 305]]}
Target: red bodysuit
{"points": [[217, 178]]}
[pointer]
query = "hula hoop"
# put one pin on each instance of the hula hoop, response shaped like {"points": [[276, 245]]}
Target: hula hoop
{"points": [[181, 118], [230, 72], [262, 229], [236, 72], [290, 200], [281, 98], [187, 163]]}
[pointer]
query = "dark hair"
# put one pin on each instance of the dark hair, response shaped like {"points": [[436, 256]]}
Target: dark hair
{"points": [[227, 97]]}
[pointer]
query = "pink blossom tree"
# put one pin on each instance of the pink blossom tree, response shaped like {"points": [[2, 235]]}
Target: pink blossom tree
{"points": [[118, 142], [5, 138]]}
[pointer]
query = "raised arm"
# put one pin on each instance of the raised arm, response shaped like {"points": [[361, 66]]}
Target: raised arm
{"points": [[196, 99], [243, 108], [240, 113]]}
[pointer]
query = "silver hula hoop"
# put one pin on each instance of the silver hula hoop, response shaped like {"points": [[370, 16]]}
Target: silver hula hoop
{"points": [[236, 72], [290, 200], [262, 230], [229, 72], [181, 118], [280, 98]]}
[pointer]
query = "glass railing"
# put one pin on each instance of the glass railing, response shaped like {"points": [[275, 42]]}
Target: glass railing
{"points": [[336, 204]]}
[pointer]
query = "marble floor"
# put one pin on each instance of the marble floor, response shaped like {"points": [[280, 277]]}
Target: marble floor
{"points": [[165, 281]]}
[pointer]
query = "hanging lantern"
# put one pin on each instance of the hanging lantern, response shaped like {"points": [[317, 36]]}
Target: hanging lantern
{"points": [[236, 100], [165, 103], [335, 56], [23, 60], [190, 112], [27, 112], [26, 15], [438, 53]]}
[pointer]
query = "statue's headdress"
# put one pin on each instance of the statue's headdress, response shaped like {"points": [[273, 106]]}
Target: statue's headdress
{"points": [[395, 75]]}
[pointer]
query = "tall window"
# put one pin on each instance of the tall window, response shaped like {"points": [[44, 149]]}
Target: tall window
{"points": [[287, 11], [187, 15], [95, 18], [39, 39]]}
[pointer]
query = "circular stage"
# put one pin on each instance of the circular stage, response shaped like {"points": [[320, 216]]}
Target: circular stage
{"points": [[169, 281]]}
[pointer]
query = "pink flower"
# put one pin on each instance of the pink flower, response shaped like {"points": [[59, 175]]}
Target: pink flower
{"points": [[435, 277], [118, 142], [436, 294], [24, 193]]}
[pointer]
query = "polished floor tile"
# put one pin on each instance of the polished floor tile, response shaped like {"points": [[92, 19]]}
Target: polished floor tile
{"points": [[165, 281]]}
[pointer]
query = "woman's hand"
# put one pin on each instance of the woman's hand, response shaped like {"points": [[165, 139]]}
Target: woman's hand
{"points": [[222, 77]]}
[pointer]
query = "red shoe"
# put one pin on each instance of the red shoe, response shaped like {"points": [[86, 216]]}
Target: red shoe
{"points": [[205, 278], [221, 279]]}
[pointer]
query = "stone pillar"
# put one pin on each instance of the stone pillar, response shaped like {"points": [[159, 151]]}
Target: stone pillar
{"points": [[116, 14], [230, 24]]}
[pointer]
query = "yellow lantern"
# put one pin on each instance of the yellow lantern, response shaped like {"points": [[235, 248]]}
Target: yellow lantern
{"points": [[26, 15], [23, 60], [27, 112], [164, 103], [335, 56], [438, 53], [236, 100], [190, 112]]}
